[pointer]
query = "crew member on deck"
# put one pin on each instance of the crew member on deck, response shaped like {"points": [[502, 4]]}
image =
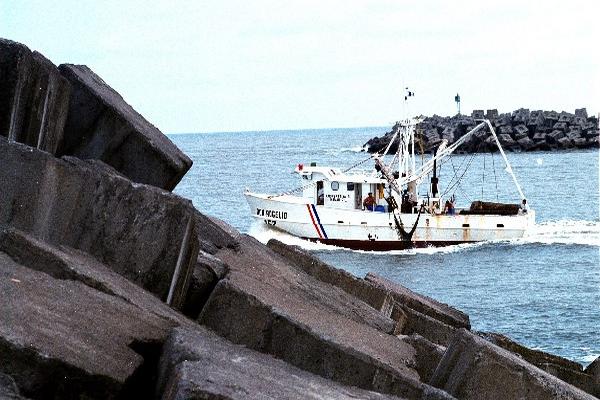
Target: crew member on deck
{"points": [[449, 207], [524, 206], [369, 202]]}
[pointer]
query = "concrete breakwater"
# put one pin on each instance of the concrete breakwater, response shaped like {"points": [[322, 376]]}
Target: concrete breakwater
{"points": [[115, 288], [521, 130]]}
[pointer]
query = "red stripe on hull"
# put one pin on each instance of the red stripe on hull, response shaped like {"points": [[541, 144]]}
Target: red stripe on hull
{"points": [[382, 245], [314, 223]]}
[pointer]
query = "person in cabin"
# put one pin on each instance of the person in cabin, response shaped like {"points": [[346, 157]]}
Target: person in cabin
{"points": [[369, 202], [320, 194], [523, 207], [449, 207]]}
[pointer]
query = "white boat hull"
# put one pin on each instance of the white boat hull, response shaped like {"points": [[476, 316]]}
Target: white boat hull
{"points": [[366, 230]]}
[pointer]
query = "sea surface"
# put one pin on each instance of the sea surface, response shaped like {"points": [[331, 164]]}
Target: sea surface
{"points": [[542, 290]]}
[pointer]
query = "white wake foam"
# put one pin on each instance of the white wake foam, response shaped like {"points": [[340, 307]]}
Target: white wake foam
{"points": [[564, 232], [263, 234], [353, 149]]}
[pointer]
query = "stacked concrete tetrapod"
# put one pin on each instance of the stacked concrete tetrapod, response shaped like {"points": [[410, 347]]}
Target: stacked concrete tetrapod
{"points": [[520, 130]]}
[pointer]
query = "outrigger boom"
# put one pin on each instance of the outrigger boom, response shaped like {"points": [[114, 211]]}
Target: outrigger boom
{"points": [[443, 152]]}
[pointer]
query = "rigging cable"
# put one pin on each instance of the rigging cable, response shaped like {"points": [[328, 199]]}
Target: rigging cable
{"points": [[483, 177], [461, 177], [495, 178]]}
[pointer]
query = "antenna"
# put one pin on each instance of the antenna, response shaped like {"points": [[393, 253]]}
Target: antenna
{"points": [[409, 93], [457, 100]]}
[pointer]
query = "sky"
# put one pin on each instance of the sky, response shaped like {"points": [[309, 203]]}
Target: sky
{"points": [[209, 66]]}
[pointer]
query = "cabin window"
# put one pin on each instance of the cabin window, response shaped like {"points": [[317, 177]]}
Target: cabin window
{"points": [[350, 186], [335, 185]]}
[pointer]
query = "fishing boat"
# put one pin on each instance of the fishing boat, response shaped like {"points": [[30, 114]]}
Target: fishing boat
{"points": [[382, 210]]}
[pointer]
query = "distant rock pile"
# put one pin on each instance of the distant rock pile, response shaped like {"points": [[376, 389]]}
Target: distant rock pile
{"points": [[521, 130], [115, 288]]}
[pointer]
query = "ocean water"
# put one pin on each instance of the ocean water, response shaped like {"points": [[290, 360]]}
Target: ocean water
{"points": [[542, 290]]}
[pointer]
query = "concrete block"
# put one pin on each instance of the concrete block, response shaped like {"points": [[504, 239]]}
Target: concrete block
{"points": [[207, 272], [401, 319], [505, 130], [554, 136], [34, 98], [201, 365], [539, 137], [423, 304], [141, 232], [478, 114], [449, 133], [565, 117], [579, 121], [593, 370], [519, 136], [65, 263], [580, 142], [431, 135], [473, 368], [430, 328], [565, 143], [270, 306], [428, 356], [377, 297], [9, 389], [491, 114], [60, 338], [526, 144], [101, 125], [520, 116], [536, 357], [581, 112], [562, 126], [503, 119], [521, 129]]}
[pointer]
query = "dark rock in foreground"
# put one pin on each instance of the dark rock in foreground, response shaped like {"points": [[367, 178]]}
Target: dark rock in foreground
{"points": [[567, 370], [144, 233], [520, 130], [34, 98], [62, 339], [8, 388], [201, 365], [71, 111], [269, 306], [473, 368], [101, 125]]}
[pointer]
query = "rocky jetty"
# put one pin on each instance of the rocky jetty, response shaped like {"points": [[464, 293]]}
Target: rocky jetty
{"points": [[114, 288], [521, 130]]}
